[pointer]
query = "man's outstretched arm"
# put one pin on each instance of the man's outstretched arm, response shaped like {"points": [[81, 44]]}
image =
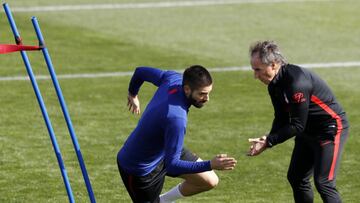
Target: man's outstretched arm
{"points": [[174, 138]]}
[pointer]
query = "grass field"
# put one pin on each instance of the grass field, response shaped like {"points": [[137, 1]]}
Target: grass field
{"points": [[103, 41]]}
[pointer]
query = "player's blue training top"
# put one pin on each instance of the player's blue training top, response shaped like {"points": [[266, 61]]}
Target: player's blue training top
{"points": [[160, 132]]}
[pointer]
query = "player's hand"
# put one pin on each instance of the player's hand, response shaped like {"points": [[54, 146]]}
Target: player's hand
{"points": [[133, 104], [223, 162], [258, 145]]}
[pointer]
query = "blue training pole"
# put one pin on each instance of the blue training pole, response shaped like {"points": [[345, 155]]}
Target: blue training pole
{"points": [[63, 108], [41, 104]]}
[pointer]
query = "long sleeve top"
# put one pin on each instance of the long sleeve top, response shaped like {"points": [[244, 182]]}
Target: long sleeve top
{"points": [[160, 132]]}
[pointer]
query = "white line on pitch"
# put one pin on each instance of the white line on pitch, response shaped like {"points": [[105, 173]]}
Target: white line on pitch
{"points": [[167, 4], [219, 69]]}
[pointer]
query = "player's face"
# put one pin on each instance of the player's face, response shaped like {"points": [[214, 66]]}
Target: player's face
{"points": [[263, 72], [198, 97]]}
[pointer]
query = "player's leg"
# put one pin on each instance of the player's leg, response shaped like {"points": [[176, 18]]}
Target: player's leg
{"points": [[300, 171], [193, 184], [198, 182], [144, 189], [327, 161]]}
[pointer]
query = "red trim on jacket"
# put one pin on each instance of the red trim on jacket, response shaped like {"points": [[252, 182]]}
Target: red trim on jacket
{"points": [[334, 115]]}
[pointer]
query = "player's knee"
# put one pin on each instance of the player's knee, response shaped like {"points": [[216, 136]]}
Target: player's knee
{"points": [[214, 182], [211, 182], [324, 185], [291, 178], [297, 182]]}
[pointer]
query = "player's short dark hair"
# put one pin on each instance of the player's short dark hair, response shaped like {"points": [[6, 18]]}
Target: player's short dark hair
{"points": [[268, 51], [196, 76]]}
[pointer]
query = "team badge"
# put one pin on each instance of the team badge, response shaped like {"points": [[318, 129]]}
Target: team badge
{"points": [[298, 97]]}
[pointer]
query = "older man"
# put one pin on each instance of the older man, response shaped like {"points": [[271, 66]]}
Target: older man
{"points": [[306, 108]]}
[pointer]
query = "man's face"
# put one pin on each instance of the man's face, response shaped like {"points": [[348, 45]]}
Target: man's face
{"points": [[263, 72], [198, 97]]}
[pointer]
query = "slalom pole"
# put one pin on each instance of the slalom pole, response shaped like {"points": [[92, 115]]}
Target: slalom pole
{"points": [[41, 104], [63, 108]]}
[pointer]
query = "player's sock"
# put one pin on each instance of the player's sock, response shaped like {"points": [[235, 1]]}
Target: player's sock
{"points": [[171, 195]]}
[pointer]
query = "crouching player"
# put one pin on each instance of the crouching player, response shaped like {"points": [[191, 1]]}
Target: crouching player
{"points": [[155, 148]]}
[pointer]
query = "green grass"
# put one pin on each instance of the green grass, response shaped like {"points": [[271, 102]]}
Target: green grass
{"points": [[119, 40]]}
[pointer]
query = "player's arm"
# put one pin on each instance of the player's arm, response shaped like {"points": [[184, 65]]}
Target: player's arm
{"points": [[174, 138], [281, 116], [298, 95], [141, 75]]}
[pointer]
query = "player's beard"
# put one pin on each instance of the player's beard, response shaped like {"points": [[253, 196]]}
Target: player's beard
{"points": [[194, 102]]}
